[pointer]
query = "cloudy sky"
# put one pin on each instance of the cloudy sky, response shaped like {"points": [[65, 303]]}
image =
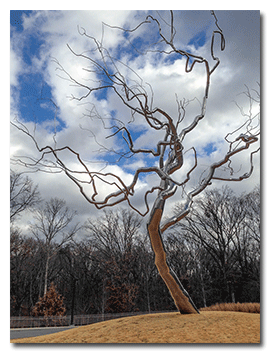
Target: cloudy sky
{"points": [[44, 48]]}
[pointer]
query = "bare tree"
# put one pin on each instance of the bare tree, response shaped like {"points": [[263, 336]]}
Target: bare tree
{"points": [[115, 233], [252, 221], [215, 225], [53, 221], [23, 194], [167, 158], [221, 224], [113, 238]]}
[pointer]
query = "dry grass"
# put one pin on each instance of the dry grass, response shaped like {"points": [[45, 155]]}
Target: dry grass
{"points": [[240, 307], [208, 327]]}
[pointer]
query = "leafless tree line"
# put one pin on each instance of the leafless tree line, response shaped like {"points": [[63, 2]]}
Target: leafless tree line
{"points": [[110, 267]]}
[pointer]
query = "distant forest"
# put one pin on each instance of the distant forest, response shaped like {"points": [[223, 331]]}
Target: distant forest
{"points": [[110, 267]]}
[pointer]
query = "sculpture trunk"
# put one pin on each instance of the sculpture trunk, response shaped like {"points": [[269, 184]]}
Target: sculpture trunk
{"points": [[181, 301]]}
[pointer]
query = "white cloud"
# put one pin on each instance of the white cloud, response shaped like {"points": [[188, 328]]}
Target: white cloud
{"points": [[16, 66]]}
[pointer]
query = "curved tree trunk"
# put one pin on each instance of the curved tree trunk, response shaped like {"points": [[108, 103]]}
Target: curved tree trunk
{"points": [[181, 301]]}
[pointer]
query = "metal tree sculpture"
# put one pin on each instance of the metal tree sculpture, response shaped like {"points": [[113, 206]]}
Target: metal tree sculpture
{"points": [[168, 156]]}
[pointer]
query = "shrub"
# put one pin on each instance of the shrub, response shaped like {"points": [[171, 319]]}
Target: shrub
{"points": [[51, 304], [241, 307]]}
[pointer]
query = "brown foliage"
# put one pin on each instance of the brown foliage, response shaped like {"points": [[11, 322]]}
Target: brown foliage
{"points": [[51, 304], [121, 297], [240, 307], [121, 292]]}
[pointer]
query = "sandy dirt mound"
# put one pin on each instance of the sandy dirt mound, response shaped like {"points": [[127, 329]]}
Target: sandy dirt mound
{"points": [[208, 327]]}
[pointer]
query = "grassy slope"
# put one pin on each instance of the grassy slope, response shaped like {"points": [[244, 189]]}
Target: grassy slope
{"points": [[208, 327]]}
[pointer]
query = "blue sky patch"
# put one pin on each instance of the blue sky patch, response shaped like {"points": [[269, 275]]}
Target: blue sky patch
{"points": [[35, 95], [198, 40], [35, 101], [31, 49], [209, 148], [16, 18]]}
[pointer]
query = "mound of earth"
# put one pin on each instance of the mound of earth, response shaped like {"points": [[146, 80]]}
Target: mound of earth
{"points": [[208, 327]]}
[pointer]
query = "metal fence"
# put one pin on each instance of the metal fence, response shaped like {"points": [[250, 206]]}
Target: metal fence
{"points": [[78, 320]]}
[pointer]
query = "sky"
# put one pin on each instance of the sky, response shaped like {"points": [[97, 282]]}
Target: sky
{"points": [[41, 91]]}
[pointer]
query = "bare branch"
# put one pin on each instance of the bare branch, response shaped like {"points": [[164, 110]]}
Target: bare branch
{"points": [[205, 182], [23, 194]]}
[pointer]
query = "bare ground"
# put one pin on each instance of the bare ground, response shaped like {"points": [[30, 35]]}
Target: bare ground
{"points": [[208, 327]]}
